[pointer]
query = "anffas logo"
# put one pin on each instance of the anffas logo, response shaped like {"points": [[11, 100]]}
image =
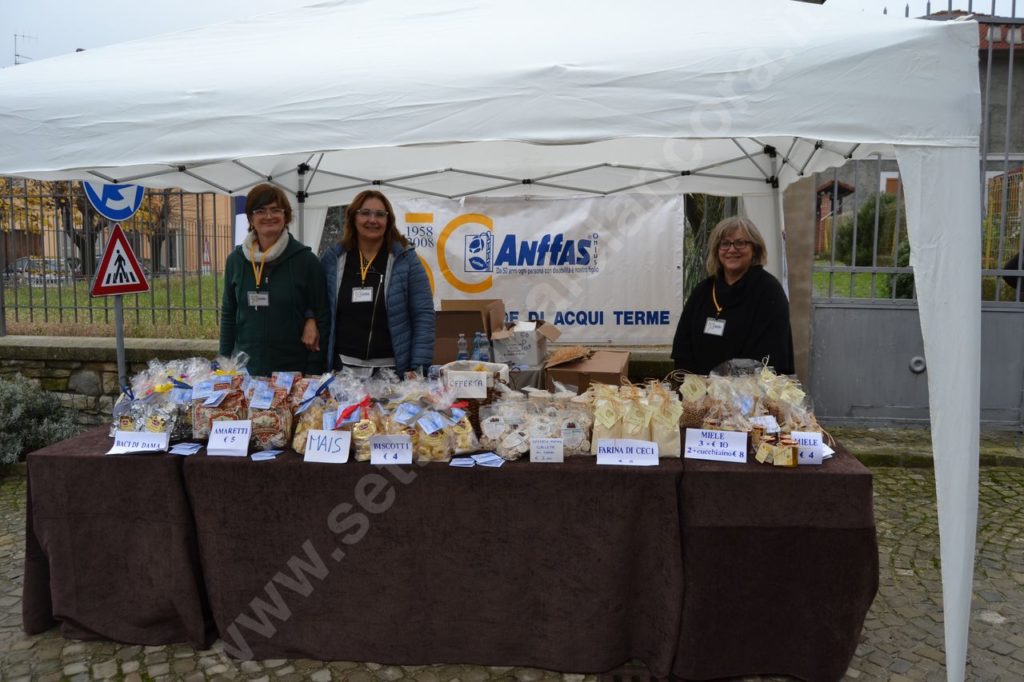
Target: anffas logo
{"points": [[548, 250], [479, 248], [470, 238]]}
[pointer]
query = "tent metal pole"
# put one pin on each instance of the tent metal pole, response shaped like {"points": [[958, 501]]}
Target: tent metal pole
{"points": [[780, 225], [300, 196]]}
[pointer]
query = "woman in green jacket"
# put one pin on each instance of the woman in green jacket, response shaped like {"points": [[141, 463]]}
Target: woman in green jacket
{"points": [[275, 301]]}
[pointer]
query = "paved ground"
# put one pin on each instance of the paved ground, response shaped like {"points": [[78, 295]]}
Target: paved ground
{"points": [[902, 638]]}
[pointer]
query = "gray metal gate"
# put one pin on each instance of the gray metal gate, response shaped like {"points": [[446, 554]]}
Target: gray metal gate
{"points": [[867, 361]]}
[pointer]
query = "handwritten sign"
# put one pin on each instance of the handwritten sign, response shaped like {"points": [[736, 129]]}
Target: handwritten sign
{"points": [[138, 441], [330, 447], [809, 450], [718, 446], [546, 450], [625, 452], [467, 384], [390, 450], [229, 438]]}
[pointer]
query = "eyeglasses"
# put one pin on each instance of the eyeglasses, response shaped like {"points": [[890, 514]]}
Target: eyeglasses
{"points": [[274, 211], [740, 244], [366, 213]]}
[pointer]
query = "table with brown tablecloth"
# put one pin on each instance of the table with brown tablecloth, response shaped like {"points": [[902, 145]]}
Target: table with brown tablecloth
{"points": [[780, 568], [568, 567], [700, 569], [110, 546]]}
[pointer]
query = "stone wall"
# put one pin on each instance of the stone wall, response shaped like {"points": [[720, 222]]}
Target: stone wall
{"points": [[82, 372]]}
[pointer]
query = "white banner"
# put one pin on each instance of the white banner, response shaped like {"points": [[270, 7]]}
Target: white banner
{"points": [[601, 269]]}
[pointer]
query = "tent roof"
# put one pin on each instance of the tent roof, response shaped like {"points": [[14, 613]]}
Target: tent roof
{"points": [[517, 90]]}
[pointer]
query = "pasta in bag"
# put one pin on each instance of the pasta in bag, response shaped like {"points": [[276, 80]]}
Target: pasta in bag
{"points": [[271, 413]]}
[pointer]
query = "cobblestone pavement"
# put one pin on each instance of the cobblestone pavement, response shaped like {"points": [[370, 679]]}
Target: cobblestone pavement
{"points": [[902, 637]]}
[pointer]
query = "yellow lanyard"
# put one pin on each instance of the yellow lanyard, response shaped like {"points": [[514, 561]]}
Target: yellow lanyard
{"points": [[258, 274], [364, 267], [714, 299]]}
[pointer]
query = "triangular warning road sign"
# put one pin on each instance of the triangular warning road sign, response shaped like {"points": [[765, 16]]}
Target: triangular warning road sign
{"points": [[119, 271]]}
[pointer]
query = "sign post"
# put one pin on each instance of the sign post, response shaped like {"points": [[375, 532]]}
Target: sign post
{"points": [[119, 271]]}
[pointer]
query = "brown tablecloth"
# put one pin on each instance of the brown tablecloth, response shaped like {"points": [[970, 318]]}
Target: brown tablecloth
{"points": [[699, 569], [110, 546], [780, 568], [569, 567]]}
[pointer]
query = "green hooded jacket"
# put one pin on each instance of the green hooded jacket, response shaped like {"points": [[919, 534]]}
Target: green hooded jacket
{"points": [[272, 335]]}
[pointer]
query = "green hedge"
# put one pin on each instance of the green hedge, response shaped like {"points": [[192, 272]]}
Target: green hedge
{"points": [[30, 418]]}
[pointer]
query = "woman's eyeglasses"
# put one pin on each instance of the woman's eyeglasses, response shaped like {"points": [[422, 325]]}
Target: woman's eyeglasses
{"points": [[275, 211], [740, 244], [366, 213]]}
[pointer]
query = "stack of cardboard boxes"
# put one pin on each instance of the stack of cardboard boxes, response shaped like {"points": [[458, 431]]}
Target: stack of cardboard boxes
{"points": [[521, 344]]}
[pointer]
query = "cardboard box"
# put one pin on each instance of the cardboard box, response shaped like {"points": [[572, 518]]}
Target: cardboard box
{"points": [[604, 367], [465, 317], [524, 343]]}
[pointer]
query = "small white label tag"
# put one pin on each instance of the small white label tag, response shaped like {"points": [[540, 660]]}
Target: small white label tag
{"points": [[810, 450], [767, 422], [718, 446], [625, 452], [390, 450], [714, 326], [330, 447], [138, 441], [229, 438], [546, 450], [362, 295]]}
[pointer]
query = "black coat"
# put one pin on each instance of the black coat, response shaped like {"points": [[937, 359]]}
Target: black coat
{"points": [[756, 315]]}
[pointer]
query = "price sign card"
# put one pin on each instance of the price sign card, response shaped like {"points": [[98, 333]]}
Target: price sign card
{"points": [[390, 450], [546, 450], [229, 438], [625, 452], [138, 441], [810, 449], [718, 446], [467, 384], [330, 447]]}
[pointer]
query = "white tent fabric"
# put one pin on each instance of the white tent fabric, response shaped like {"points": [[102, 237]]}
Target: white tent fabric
{"points": [[461, 97]]}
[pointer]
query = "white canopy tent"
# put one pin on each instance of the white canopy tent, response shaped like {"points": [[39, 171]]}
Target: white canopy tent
{"points": [[482, 97]]}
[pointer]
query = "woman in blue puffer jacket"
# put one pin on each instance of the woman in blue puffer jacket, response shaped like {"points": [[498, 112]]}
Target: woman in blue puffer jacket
{"points": [[382, 309]]}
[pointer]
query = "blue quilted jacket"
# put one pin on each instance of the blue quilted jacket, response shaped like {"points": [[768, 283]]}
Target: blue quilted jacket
{"points": [[407, 299]]}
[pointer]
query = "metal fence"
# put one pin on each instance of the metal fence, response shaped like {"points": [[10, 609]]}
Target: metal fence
{"points": [[861, 247], [52, 239]]}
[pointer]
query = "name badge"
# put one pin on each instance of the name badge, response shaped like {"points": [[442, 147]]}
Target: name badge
{"points": [[259, 298], [362, 294], [714, 326]]}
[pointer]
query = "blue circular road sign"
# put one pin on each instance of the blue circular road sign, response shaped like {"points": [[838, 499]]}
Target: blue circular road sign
{"points": [[114, 202]]}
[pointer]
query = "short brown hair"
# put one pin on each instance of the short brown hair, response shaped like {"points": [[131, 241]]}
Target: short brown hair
{"points": [[350, 236], [263, 194], [750, 232]]}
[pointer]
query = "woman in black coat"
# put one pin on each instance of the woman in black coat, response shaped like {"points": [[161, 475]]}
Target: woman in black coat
{"points": [[739, 311]]}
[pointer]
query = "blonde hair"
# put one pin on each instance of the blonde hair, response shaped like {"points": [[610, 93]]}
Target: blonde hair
{"points": [[749, 231]]}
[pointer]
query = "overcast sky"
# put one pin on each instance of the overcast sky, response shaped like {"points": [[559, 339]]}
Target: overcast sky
{"points": [[57, 27]]}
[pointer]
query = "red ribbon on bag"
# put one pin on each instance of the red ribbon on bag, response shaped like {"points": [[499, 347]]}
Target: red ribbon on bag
{"points": [[347, 412]]}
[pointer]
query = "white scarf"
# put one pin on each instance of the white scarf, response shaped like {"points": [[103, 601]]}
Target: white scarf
{"points": [[251, 247]]}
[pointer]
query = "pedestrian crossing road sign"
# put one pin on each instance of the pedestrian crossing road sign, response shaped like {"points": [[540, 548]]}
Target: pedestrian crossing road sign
{"points": [[119, 271]]}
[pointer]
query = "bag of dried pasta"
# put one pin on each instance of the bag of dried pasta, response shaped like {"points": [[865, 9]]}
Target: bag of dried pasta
{"points": [[271, 413], [317, 400]]}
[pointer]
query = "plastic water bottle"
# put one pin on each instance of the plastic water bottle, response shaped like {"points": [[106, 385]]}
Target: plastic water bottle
{"points": [[485, 348], [463, 353], [475, 357]]}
